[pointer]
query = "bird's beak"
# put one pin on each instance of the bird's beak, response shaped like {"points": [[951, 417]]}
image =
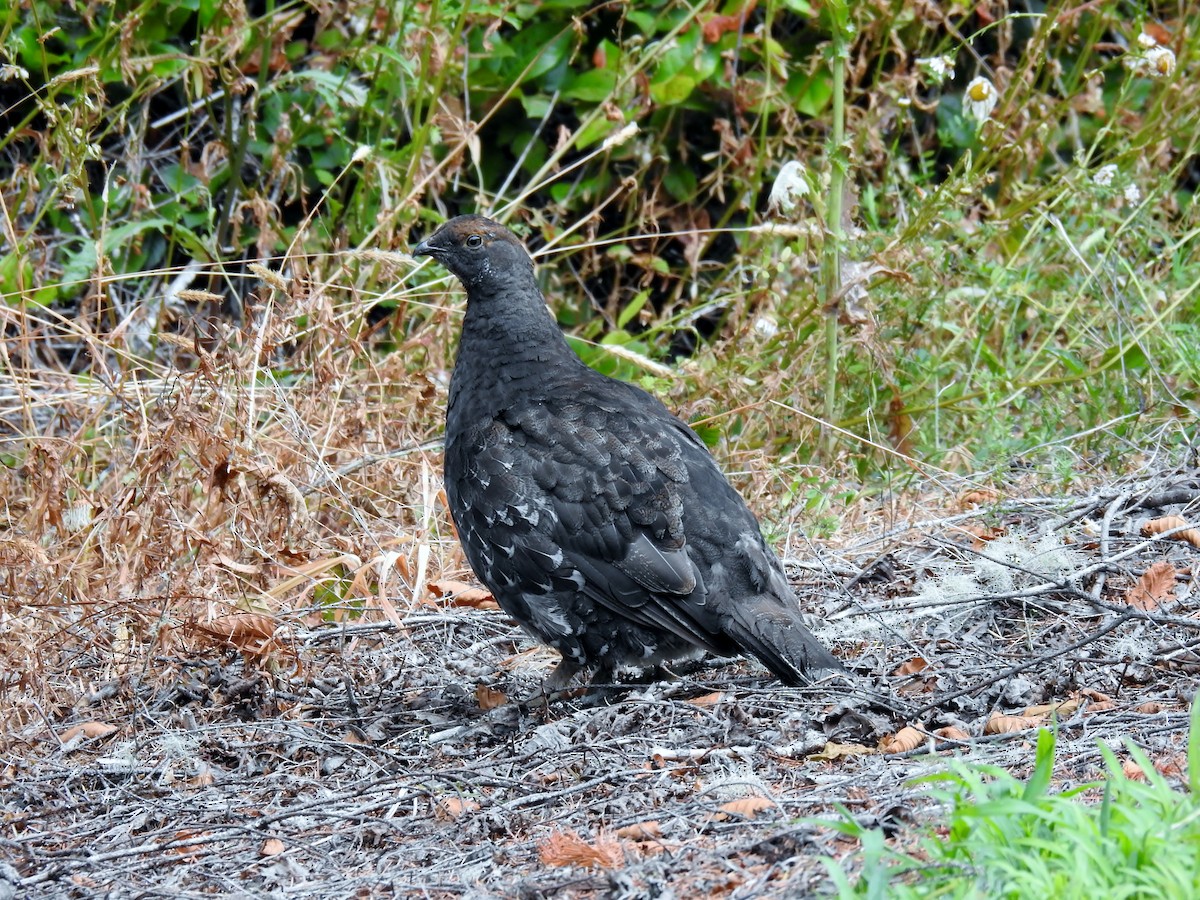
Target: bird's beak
{"points": [[423, 249]]}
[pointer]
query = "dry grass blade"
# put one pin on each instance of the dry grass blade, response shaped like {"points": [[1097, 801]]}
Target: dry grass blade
{"points": [[160, 490]]}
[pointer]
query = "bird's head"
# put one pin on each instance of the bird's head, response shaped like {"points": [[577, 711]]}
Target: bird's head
{"points": [[482, 253]]}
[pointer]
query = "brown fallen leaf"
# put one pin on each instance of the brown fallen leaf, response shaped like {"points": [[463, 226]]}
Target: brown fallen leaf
{"points": [[975, 497], [489, 698], [565, 848], [981, 533], [271, 847], [745, 807], [1133, 771], [193, 839], [649, 830], [1168, 523], [88, 729], [951, 733], [251, 634], [834, 750], [1002, 724], [912, 667], [1149, 708], [459, 593], [1062, 708], [449, 809], [907, 738], [900, 424], [650, 848], [716, 26], [917, 686], [707, 699], [1173, 766], [1156, 585]]}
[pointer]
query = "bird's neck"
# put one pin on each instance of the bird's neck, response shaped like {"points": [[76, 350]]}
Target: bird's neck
{"points": [[513, 341], [516, 328]]}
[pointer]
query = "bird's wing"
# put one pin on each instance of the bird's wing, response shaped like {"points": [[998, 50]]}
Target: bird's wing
{"points": [[613, 476]]}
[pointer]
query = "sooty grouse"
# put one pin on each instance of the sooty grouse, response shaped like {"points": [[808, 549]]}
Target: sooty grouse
{"points": [[597, 518]]}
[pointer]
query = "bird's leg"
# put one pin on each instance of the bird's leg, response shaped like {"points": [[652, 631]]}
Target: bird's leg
{"points": [[560, 677], [604, 677], [603, 689]]}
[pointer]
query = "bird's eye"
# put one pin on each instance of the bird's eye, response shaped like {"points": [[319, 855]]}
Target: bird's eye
{"points": [[474, 241]]}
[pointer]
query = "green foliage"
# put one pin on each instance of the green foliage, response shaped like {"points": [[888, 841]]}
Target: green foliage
{"points": [[1013, 839], [1018, 298]]}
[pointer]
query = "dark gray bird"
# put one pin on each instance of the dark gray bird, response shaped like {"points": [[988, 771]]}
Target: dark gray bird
{"points": [[598, 520]]}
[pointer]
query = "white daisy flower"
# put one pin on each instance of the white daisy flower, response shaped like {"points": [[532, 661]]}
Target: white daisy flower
{"points": [[766, 327], [980, 99], [791, 186], [1160, 62], [937, 68], [1153, 61], [1104, 175]]}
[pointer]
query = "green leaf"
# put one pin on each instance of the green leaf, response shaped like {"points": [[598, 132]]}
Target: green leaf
{"points": [[1043, 767], [710, 434], [1072, 362], [812, 92], [536, 105], [674, 90], [208, 10], [16, 282], [632, 308], [593, 86], [1131, 356], [80, 263], [646, 22], [599, 129], [178, 179], [540, 48], [680, 182], [954, 128]]}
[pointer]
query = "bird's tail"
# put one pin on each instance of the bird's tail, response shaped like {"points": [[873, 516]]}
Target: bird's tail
{"points": [[778, 637]]}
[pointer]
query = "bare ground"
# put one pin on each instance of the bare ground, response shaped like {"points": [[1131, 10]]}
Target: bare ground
{"points": [[363, 760]]}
